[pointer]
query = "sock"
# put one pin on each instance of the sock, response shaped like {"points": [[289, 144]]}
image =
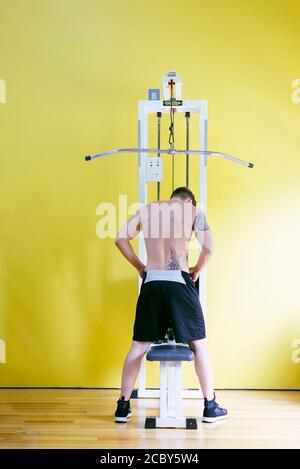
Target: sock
{"points": [[123, 399], [211, 402]]}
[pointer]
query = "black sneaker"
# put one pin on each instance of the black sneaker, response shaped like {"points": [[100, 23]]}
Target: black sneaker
{"points": [[213, 412], [123, 412]]}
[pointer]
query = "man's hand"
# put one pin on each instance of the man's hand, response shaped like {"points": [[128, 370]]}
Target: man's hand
{"points": [[142, 271], [194, 273]]}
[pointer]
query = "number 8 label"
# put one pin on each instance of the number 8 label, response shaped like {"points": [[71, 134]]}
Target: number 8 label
{"points": [[153, 94]]}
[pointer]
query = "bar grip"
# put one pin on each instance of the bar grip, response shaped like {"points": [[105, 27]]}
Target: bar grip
{"points": [[87, 158]]}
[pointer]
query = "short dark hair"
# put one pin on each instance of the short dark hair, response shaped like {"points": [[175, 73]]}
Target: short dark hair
{"points": [[184, 193]]}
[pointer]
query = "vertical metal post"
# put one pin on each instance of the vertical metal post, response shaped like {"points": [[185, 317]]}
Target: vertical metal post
{"points": [[178, 387], [203, 193], [173, 158], [171, 389], [142, 143], [187, 170], [163, 390]]}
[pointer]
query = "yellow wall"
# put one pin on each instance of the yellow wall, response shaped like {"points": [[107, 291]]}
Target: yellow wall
{"points": [[74, 70]]}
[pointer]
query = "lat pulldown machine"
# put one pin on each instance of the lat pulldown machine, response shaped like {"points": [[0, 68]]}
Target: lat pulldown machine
{"points": [[150, 169]]}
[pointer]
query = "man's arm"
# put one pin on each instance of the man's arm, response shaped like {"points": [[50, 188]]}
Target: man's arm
{"points": [[204, 237], [129, 231]]}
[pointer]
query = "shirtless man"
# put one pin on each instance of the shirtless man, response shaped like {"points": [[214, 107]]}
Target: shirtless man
{"points": [[168, 293]]}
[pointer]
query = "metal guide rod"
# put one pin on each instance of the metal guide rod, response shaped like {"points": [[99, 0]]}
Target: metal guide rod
{"points": [[173, 172], [170, 152], [171, 129], [158, 146], [187, 170]]}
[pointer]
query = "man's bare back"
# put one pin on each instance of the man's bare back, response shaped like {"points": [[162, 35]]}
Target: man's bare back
{"points": [[167, 228]]}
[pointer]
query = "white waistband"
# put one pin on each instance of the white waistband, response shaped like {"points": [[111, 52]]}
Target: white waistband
{"points": [[169, 275]]}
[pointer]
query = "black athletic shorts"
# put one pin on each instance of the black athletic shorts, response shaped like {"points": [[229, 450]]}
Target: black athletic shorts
{"points": [[164, 303]]}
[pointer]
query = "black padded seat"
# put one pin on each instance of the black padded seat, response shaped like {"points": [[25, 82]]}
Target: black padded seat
{"points": [[170, 352]]}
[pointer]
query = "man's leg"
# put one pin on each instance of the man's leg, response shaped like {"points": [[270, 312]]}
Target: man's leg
{"points": [[132, 366], [203, 367], [212, 411]]}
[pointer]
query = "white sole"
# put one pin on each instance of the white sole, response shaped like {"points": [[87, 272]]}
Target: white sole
{"points": [[123, 419], [214, 419]]}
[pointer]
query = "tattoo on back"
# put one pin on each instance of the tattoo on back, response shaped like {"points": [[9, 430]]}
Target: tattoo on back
{"points": [[173, 262]]}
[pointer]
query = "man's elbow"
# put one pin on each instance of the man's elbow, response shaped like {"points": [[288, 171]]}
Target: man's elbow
{"points": [[208, 249], [119, 241], [208, 243]]}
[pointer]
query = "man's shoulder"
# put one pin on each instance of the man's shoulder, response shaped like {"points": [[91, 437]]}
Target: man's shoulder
{"points": [[200, 223]]}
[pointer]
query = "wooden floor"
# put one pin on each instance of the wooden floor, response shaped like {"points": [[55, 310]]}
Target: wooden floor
{"points": [[73, 418]]}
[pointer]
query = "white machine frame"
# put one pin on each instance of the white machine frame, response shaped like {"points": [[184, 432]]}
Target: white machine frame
{"points": [[145, 108]]}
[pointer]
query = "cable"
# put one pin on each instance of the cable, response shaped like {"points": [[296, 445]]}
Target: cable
{"points": [[158, 147], [171, 134], [171, 128], [187, 116]]}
